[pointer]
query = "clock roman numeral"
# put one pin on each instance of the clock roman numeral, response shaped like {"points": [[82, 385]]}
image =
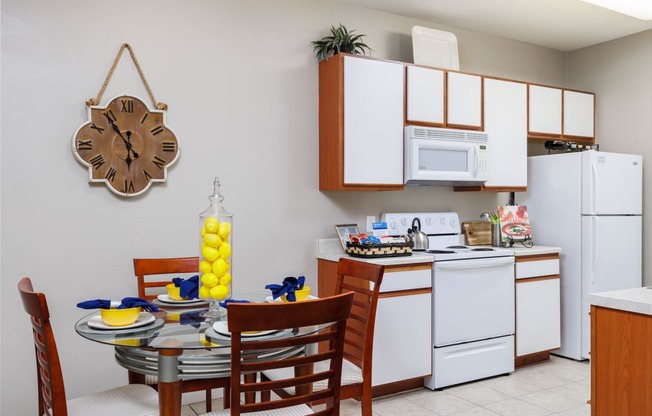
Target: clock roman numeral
{"points": [[156, 130], [142, 120], [97, 161], [110, 175], [109, 116], [147, 175], [84, 144], [127, 106], [99, 129], [158, 162], [169, 146], [129, 186]]}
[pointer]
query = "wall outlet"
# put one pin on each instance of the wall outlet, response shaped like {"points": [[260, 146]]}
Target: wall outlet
{"points": [[370, 220]]}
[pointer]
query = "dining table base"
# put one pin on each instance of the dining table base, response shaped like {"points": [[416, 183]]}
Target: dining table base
{"points": [[169, 384]]}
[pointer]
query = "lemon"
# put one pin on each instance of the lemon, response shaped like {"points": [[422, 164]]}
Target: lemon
{"points": [[219, 292], [203, 231], [205, 266], [212, 240], [210, 254], [211, 225], [224, 230], [225, 250], [226, 279], [209, 280], [220, 267], [204, 292]]}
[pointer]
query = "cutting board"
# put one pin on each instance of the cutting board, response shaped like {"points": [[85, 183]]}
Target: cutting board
{"points": [[477, 233]]}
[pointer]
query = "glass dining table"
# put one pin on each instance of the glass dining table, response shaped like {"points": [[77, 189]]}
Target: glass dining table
{"points": [[177, 344]]}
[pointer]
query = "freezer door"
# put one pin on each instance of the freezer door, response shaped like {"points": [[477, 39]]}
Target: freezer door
{"points": [[611, 259], [612, 183]]}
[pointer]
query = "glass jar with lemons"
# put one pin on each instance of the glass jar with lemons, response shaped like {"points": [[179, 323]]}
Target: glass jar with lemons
{"points": [[216, 236]]}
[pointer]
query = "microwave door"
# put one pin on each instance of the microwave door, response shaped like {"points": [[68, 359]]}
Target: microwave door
{"points": [[440, 160]]}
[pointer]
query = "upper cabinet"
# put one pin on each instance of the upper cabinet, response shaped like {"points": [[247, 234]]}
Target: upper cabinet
{"points": [[544, 104], [361, 104], [425, 95], [442, 98], [558, 114], [579, 115], [463, 101]]}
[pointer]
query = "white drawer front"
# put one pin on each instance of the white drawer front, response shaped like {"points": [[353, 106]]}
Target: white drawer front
{"points": [[537, 268], [471, 361], [406, 280]]}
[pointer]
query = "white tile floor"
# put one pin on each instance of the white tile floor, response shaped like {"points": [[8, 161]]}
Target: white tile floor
{"points": [[559, 387]]}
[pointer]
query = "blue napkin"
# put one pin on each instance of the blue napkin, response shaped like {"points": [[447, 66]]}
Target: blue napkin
{"points": [[226, 302], [289, 285], [188, 288], [192, 318], [127, 302]]}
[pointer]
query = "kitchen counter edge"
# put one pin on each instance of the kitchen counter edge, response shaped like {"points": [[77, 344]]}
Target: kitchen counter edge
{"points": [[637, 300]]}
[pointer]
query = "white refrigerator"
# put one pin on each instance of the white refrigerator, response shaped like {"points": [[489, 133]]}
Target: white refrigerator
{"points": [[589, 204]]}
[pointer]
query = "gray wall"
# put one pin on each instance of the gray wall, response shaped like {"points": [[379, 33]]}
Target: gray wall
{"points": [[619, 72], [241, 84]]}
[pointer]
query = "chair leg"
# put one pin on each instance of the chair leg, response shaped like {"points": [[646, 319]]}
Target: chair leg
{"points": [[365, 400], [227, 397], [136, 378], [266, 395], [209, 400]]}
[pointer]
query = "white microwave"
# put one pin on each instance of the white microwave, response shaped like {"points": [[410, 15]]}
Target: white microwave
{"points": [[437, 156]]}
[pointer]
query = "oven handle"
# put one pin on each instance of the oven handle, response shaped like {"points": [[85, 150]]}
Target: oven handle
{"points": [[473, 264]]}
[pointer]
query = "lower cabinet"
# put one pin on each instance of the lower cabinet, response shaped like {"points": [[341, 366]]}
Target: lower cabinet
{"points": [[538, 310], [402, 348]]}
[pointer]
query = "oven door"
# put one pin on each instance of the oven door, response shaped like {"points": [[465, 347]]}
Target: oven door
{"points": [[472, 299]]}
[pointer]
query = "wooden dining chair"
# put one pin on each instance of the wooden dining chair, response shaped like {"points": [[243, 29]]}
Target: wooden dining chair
{"points": [[250, 356], [364, 280], [156, 273], [138, 400]]}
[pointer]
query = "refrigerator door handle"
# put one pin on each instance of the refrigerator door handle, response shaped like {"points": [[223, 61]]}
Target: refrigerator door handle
{"points": [[596, 187], [594, 243]]}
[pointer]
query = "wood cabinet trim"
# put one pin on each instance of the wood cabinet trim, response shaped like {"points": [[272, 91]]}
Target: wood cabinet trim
{"points": [[520, 280], [537, 257]]}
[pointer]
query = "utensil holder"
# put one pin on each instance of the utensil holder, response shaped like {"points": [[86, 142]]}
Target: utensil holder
{"points": [[495, 235]]}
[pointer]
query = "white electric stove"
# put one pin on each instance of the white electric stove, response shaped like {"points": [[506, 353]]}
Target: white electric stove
{"points": [[472, 301]]}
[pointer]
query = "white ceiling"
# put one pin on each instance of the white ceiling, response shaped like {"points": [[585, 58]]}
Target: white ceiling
{"points": [[564, 25]]}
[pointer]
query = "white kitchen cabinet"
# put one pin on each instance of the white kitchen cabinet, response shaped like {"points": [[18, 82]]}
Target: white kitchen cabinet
{"points": [[361, 105], [505, 121], [402, 354], [538, 307], [579, 114], [425, 95], [545, 111], [402, 344], [463, 100]]}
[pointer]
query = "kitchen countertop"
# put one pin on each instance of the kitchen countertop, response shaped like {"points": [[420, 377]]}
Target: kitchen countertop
{"points": [[637, 300], [330, 249]]}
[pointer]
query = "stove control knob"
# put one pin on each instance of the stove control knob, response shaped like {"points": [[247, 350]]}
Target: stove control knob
{"points": [[442, 220], [404, 222], [453, 223]]}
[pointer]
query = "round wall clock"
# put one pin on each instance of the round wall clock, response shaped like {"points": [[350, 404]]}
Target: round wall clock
{"points": [[126, 145]]}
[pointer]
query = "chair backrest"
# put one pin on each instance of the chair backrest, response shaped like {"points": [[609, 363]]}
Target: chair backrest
{"points": [[363, 279], [149, 273], [51, 390], [249, 357]]}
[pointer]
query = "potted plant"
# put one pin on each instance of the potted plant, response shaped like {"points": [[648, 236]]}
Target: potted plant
{"points": [[340, 40]]}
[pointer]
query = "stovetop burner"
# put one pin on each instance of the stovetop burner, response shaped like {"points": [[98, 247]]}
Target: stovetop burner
{"points": [[457, 247], [483, 249], [440, 251]]}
